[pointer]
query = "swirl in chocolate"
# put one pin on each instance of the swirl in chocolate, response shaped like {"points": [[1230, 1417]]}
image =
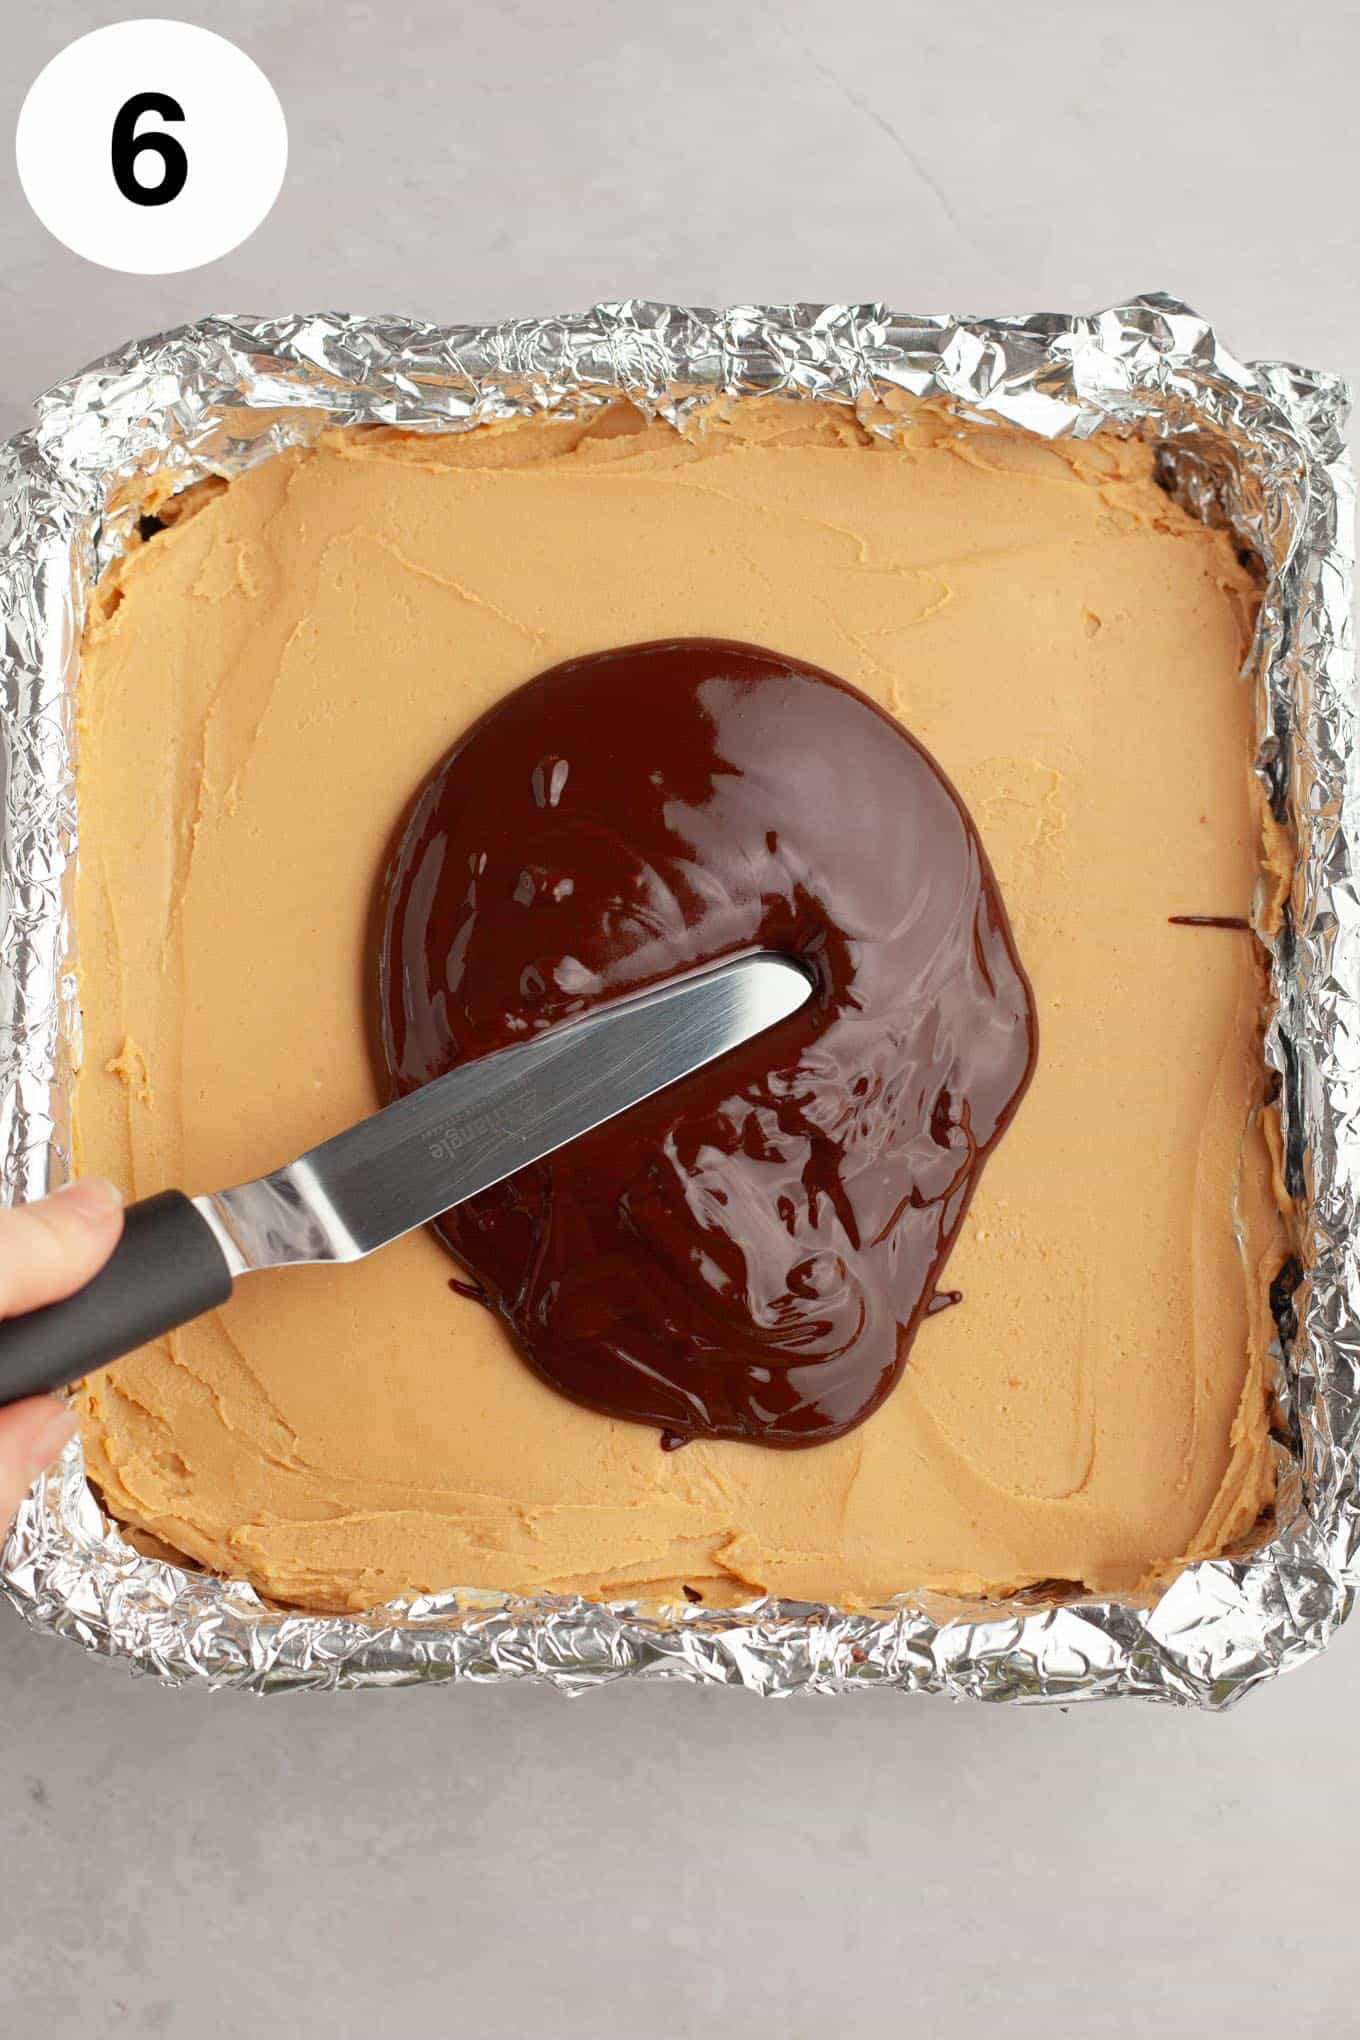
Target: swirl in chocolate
{"points": [[750, 1253]]}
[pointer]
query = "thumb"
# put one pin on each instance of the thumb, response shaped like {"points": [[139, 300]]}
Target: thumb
{"points": [[47, 1250], [32, 1433], [53, 1247]]}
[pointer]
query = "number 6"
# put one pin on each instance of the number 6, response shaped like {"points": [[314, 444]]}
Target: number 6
{"points": [[126, 145]]}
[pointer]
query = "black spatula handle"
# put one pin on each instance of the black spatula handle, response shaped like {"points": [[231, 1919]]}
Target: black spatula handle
{"points": [[166, 1269]]}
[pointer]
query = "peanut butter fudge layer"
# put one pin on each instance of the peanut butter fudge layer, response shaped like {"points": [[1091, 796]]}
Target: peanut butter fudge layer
{"points": [[267, 680]]}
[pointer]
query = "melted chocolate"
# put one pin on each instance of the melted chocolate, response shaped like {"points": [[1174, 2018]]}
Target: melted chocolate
{"points": [[750, 1253], [473, 1291], [1208, 921]]}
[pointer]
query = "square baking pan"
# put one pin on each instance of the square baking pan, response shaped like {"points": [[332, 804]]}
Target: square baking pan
{"points": [[1255, 445]]}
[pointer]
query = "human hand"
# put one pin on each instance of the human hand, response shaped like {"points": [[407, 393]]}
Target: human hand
{"points": [[47, 1250]]}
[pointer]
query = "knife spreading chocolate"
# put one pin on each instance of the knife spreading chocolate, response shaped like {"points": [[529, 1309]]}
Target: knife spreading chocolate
{"points": [[749, 1254]]}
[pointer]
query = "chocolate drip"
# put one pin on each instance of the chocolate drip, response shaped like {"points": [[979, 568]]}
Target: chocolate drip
{"points": [[1208, 921], [473, 1291], [749, 1254]]}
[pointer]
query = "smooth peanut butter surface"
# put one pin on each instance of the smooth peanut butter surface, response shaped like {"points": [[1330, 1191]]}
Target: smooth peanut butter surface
{"points": [[268, 680]]}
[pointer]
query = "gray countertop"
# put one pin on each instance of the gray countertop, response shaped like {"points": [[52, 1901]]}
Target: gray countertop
{"points": [[649, 1859]]}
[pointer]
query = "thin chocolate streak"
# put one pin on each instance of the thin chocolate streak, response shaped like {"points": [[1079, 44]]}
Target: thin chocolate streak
{"points": [[749, 1254], [1208, 921], [472, 1290]]}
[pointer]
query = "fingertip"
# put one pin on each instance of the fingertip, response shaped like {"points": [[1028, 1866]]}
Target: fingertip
{"points": [[92, 1197], [52, 1247], [33, 1433], [53, 1430]]}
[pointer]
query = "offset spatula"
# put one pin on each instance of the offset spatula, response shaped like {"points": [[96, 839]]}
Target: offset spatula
{"points": [[178, 1256]]}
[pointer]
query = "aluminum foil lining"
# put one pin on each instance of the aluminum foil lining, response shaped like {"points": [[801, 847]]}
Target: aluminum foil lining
{"points": [[1258, 444]]}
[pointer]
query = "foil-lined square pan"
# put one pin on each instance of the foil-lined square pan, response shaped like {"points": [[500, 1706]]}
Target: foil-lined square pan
{"points": [[1256, 444]]}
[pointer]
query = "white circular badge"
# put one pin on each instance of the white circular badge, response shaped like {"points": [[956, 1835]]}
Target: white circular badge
{"points": [[151, 146]]}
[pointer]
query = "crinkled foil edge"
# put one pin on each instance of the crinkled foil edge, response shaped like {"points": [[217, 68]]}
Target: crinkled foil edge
{"points": [[1258, 443]]}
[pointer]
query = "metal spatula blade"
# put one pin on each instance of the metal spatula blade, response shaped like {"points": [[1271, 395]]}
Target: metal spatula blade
{"points": [[397, 1169]]}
